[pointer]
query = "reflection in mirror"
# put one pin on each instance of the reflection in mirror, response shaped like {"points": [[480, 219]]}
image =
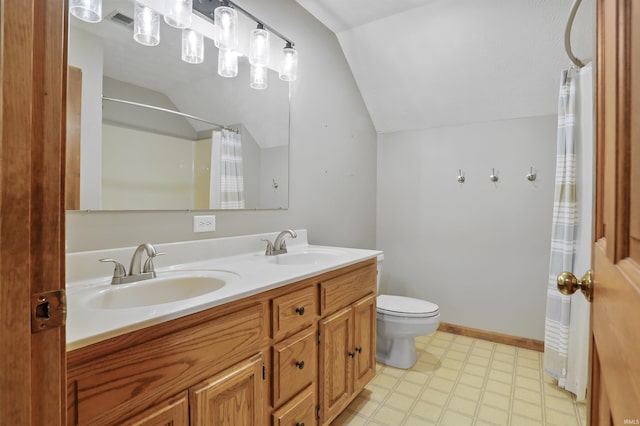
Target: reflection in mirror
{"points": [[128, 157]]}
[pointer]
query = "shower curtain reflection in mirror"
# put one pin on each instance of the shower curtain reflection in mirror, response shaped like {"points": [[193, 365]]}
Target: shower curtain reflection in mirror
{"points": [[227, 181]]}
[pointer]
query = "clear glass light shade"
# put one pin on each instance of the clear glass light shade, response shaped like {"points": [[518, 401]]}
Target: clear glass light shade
{"points": [[178, 13], [258, 77], [259, 47], [86, 10], [227, 63], [146, 26], [226, 27], [289, 66], [192, 47]]}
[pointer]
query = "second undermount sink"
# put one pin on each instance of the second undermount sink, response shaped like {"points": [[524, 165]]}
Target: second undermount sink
{"points": [[308, 257], [168, 287]]}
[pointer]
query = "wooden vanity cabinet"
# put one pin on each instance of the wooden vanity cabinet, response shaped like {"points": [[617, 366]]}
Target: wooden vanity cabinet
{"points": [[251, 362]]}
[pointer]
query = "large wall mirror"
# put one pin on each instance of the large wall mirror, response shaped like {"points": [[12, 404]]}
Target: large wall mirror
{"points": [[125, 156]]}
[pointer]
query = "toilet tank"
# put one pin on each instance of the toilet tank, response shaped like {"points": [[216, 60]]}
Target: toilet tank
{"points": [[380, 260]]}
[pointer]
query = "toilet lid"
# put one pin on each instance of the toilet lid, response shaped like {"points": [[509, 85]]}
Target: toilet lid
{"points": [[402, 306]]}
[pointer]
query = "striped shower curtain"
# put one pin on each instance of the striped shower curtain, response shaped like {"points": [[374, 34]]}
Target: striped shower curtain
{"points": [[563, 234], [231, 178]]}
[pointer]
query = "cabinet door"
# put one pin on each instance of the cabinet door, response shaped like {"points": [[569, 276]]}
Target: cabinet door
{"points": [[234, 397], [336, 345], [364, 341], [174, 412]]}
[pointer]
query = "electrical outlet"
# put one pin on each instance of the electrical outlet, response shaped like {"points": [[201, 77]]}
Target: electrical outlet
{"points": [[204, 223]]}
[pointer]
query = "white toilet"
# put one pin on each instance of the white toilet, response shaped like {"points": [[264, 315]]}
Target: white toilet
{"points": [[399, 321]]}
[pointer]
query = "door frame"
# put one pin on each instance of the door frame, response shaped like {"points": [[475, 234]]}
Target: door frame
{"points": [[33, 35]]}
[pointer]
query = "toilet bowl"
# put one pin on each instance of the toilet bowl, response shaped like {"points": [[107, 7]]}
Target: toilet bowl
{"points": [[400, 320]]}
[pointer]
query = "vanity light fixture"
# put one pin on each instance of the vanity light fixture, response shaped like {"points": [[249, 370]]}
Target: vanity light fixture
{"points": [[192, 46], [227, 63], [146, 25], [225, 20], [258, 77], [259, 51], [86, 10], [289, 67], [179, 13]]}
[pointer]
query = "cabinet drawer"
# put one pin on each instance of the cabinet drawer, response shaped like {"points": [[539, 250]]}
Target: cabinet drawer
{"points": [[294, 365], [343, 290], [294, 311], [299, 411]]}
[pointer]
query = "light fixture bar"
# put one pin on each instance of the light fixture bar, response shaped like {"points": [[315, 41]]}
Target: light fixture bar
{"points": [[258, 21]]}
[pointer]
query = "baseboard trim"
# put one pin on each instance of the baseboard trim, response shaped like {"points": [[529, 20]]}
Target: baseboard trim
{"points": [[505, 339]]}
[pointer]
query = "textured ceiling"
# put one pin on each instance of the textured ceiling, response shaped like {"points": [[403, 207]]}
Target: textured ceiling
{"points": [[429, 63]]}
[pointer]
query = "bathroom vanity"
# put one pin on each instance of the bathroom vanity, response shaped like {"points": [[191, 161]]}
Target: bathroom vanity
{"points": [[295, 350]]}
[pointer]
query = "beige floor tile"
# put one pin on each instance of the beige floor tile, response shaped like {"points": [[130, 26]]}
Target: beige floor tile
{"points": [[532, 411], [501, 376], [434, 396], [349, 418], [527, 395], [451, 418], [527, 383], [399, 402], [496, 400], [465, 381], [389, 416], [560, 419], [471, 380], [408, 388], [493, 415], [463, 406], [499, 387], [467, 391], [427, 411]]}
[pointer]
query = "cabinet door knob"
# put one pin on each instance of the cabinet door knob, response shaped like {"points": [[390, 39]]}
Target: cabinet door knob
{"points": [[358, 349], [299, 424], [300, 310], [300, 364], [352, 354]]}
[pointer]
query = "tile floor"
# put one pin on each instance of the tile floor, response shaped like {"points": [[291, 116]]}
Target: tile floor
{"points": [[462, 381]]}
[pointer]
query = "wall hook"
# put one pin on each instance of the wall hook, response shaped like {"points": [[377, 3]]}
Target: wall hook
{"points": [[493, 177], [275, 184], [461, 178], [531, 176]]}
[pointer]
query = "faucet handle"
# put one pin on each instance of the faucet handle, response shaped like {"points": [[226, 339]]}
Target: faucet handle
{"points": [[269, 250], [118, 271], [148, 264]]}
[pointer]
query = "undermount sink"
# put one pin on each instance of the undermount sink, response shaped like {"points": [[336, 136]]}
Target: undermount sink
{"points": [[307, 257], [168, 287]]}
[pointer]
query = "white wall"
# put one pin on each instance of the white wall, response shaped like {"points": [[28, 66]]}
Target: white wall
{"points": [[479, 250], [274, 182], [332, 158], [85, 52]]}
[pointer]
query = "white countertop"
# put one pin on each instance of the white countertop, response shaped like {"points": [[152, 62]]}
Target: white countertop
{"points": [[245, 274]]}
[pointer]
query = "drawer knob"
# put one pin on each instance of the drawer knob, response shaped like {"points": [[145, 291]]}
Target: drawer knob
{"points": [[358, 349], [300, 310], [352, 354], [300, 364], [299, 424]]}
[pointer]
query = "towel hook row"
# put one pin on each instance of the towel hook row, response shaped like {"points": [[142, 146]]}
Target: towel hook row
{"points": [[493, 177]]}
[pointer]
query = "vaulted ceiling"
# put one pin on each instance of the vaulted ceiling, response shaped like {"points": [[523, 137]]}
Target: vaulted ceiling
{"points": [[429, 63]]}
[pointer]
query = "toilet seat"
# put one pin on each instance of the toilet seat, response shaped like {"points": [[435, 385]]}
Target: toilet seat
{"points": [[408, 307]]}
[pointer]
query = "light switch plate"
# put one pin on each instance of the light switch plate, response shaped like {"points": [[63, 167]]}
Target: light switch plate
{"points": [[204, 223]]}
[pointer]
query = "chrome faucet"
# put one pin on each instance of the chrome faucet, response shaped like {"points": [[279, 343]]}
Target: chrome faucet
{"points": [[137, 272], [279, 246]]}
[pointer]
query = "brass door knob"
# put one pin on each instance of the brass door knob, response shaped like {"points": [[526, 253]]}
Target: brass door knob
{"points": [[569, 284]]}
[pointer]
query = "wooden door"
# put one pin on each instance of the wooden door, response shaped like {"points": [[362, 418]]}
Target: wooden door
{"points": [[615, 388], [364, 342], [336, 342], [32, 105], [234, 397]]}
